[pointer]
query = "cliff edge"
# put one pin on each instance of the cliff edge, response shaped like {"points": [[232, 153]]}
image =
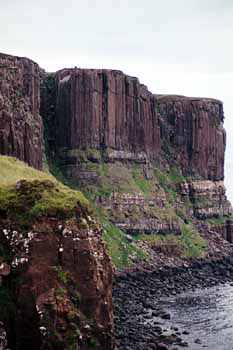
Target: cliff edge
{"points": [[153, 163], [55, 275], [152, 167]]}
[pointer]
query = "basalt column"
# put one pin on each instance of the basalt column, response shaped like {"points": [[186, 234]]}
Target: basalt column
{"points": [[20, 123]]}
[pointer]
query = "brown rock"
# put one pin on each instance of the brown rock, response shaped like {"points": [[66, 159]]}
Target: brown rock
{"points": [[208, 198], [105, 109], [192, 134], [20, 123], [63, 291]]}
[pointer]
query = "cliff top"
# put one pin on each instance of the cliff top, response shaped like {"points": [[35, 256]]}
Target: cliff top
{"points": [[174, 98], [13, 58], [26, 190], [159, 97]]}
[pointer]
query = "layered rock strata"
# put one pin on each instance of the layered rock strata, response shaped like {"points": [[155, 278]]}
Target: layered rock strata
{"points": [[154, 163], [110, 134], [207, 197], [21, 131]]}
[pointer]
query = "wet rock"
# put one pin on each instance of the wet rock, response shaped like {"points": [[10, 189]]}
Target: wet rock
{"points": [[165, 315]]}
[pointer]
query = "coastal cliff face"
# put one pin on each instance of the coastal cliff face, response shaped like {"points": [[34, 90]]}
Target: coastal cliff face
{"points": [[153, 162], [153, 168], [192, 135], [55, 275], [109, 111], [21, 131]]}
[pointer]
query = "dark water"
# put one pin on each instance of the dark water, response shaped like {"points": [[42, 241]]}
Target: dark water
{"points": [[207, 314]]}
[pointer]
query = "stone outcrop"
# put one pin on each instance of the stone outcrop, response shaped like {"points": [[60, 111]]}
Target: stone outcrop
{"points": [[207, 197], [133, 213], [105, 109], [155, 165], [56, 280], [21, 132], [113, 113], [102, 126], [192, 135]]}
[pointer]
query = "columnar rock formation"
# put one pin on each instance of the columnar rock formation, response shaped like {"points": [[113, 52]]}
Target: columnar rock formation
{"points": [[104, 126], [106, 109], [105, 129], [192, 135], [155, 164], [109, 111], [20, 123]]}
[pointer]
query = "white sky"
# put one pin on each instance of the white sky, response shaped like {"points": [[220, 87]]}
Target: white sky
{"points": [[173, 46]]}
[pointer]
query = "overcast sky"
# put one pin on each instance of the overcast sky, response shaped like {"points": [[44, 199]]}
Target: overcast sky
{"points": [[173, 46]]}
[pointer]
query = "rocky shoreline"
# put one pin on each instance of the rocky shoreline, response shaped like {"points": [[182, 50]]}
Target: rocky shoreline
{"points": [[137, 295]]}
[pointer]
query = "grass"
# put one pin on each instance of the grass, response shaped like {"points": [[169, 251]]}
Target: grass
{"points": [[62, 275], [144, 185], [119, 178], [36, 193], [189, 244], [122, 251], [174, 176], [194, 244], [168, 181], [218, 220]]}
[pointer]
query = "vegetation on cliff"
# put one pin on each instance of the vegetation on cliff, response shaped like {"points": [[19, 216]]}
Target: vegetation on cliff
{"points": [[134, 155], [27, 193], [121, 248], [53, 260]]}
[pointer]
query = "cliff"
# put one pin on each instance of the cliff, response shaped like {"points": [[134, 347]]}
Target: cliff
{"points": [[55, 275], [21, 131], [109, 111], [153, 169], [153, 162]]}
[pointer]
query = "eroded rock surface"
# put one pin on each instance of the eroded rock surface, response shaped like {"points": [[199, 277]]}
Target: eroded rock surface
{"points": [[208, 198], [112, 112], [154, 163], [113, 137], [21, 131], [56, 277], [193, 135]]}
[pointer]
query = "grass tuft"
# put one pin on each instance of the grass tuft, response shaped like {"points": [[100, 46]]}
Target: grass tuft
{"points": [[26, 192], [122, 251]]}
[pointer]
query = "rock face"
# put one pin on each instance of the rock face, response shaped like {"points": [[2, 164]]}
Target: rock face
{"points": [[154, 163], [106, 109], [110, 135], [3, 342], [21, 132], [109, 111], [208, 198], [56, 281], [192, 135]]}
